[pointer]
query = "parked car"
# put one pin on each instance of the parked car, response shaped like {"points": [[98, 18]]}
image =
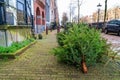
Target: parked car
{"points": [[96, 25], [112, 26]]}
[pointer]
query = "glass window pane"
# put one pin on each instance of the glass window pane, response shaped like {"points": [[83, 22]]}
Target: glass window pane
{"points": [[22, 1], [2, 16], [20, 6], [11, 2], [9, 18], [118, 22], [20, 13], [29, 2], [28, 15]]}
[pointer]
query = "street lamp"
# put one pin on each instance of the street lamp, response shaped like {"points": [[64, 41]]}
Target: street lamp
{"points": [[99, 5]]}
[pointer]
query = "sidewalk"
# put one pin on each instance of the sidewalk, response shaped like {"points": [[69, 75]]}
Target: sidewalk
{"points": [[37, 63]]}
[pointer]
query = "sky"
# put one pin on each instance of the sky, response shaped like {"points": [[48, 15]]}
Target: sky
{"points": [[87, 7]]}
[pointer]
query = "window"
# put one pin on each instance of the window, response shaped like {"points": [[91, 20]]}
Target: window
{"points": [[117, 22], [43, 15], [22, 1], [28, 11], [2, 11], [20, 6], [9, 18], [2, 16], [29, 2], [43, 20], [7, 2], [10, 9], [20, 13], [111, 22], [23, 12], [28, 15], [11, 2]]}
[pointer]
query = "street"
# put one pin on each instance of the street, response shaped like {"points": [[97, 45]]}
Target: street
{"points": [[114, 40]]}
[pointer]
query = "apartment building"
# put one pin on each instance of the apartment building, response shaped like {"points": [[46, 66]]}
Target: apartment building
{"points": [[54, 16], [15, 12], [15, 21], [48, 13], [39, 16], [112, 13]]}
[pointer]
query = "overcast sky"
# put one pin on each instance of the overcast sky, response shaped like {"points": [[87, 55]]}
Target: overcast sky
{"points": [[87, 7]]}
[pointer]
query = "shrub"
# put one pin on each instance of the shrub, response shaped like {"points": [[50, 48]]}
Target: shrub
{"points": [[39, 36], [69, 25], [15, 46], [60, 38], [78, 43]]}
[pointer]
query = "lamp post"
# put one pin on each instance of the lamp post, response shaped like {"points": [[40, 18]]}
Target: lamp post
{"points": [[78, 11], [99, 5]]}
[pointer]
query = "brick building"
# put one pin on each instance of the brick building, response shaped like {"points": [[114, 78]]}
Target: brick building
{"points": [[39, 16]]}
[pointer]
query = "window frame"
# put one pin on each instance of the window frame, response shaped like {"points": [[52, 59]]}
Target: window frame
{"points": [[28, 4], [20, 22]]}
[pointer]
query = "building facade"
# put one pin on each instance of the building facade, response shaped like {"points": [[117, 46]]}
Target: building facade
{"points": [[54, 19], [15, 21], [15, 12], [112, 13], [2, 12], [56, 13], [47, 13], [95, 15], [52, 11], [39, 16]]}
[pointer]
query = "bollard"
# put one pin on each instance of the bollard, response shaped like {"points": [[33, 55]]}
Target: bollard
{"points": [[51, 28], [46, 30], [58, 29]]}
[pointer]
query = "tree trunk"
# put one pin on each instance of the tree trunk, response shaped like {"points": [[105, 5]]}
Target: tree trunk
{"points": [[105, 13], [84, 67]]}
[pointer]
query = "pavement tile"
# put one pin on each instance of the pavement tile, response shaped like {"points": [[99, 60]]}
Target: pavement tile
{"points": [[36, 63]]}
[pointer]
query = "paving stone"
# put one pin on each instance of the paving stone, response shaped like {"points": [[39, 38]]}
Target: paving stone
{"points": [[36, 63]]}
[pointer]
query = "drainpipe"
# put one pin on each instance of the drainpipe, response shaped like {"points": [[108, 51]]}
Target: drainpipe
{"points": [[26, 21], [6, 38], [32, 27], [5, 14], [32, 21]]}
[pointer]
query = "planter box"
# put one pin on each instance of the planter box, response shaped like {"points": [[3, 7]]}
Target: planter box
{"points": [[17, 53], [10, 34]]}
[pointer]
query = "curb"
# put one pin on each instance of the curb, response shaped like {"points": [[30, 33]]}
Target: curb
{"points": [[17, 53]]}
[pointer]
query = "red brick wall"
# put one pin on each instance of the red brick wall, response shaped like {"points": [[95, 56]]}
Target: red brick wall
{"points": [[39, 12]]}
